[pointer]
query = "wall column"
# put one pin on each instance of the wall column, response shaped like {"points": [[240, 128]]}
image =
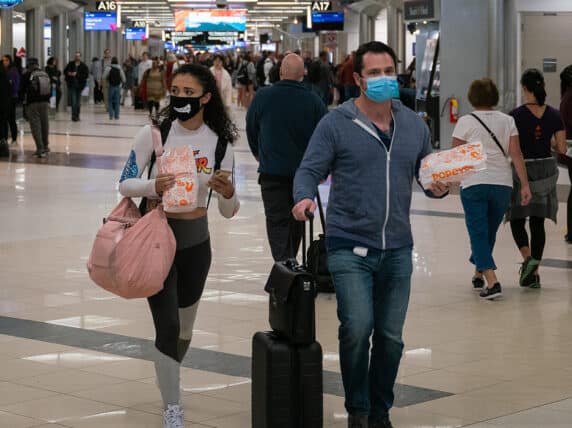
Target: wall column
{"points": [[35, 33], [6, 32]]}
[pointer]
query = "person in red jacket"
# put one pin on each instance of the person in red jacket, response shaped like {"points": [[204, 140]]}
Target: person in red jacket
{"points": [[347, 78]]}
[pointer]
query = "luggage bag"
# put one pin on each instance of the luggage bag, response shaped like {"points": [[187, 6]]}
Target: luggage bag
{"points": [[292, 294], [286, 383]]}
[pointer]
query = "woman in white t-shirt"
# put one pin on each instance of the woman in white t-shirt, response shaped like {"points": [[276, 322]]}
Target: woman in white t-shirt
{"points": [[197, 118], [486, 195]]}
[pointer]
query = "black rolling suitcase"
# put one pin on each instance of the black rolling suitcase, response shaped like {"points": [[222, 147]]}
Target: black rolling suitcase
{"points": [[286, 383], [287, 362]]}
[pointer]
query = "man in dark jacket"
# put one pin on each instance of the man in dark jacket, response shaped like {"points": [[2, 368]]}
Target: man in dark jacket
{"points": [[279, 125], [37, 99], [76, 74]]}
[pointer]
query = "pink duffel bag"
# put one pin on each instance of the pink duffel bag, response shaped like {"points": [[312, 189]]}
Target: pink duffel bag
{"points": [[132, 255]]}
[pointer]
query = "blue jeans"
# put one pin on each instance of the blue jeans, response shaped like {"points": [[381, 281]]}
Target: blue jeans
{"points": [[75, 98], [485, 206], [113, 101], [373, 295]]}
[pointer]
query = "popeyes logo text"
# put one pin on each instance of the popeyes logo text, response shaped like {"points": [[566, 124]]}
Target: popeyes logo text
{"points": [[451, 172], [202, 163]]}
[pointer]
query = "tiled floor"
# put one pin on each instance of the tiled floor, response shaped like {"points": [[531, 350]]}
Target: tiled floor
{"points": [[72, 355]]}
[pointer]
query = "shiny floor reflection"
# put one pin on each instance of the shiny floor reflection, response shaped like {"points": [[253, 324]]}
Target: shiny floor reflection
{"points": [[501, 364]]}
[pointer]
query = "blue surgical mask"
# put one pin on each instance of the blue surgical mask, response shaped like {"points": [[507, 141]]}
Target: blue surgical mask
{"points": [[382, 88]]}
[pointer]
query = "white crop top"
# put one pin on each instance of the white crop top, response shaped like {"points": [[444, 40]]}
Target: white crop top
{"points": [[203, 141]]}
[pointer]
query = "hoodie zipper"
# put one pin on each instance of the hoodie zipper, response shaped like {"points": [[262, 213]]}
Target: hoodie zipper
{"points": [[388, 184], [387, 169]]}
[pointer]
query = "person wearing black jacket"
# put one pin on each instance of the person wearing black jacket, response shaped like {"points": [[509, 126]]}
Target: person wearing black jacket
{"points": [[279, 124], [36, 106], [55, 76], [5, 91], [76, 75]]}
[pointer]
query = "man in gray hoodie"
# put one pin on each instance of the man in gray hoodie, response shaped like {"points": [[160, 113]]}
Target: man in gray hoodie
{"points": [[372, 146]]}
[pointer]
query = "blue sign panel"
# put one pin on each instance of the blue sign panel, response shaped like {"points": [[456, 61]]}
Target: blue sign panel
{"points": [[7, 4], [135, 33], [100, 21]]}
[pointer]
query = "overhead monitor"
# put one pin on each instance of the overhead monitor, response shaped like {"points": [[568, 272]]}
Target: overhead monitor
{"points": [[210, 20], [327, 21], [135, 33], [100, 21]]}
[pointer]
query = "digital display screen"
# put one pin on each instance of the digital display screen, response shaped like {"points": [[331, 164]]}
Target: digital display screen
{"points": [[135, 33], [8, 4], [100, 21], [211, 20], [327, 21]]}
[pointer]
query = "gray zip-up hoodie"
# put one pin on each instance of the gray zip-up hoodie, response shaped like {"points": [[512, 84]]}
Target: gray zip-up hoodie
{"points": [[370, 195]]}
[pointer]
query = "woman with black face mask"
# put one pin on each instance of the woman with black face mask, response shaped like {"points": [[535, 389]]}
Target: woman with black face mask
{"points": [[196, 118]]}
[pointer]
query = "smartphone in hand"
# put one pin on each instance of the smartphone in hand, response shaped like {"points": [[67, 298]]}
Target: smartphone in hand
{"points": [[223, 173]]}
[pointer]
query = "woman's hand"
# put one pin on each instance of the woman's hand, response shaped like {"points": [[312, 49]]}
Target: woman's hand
{"points": [[164, 182], [525, 195], [222, 185]]}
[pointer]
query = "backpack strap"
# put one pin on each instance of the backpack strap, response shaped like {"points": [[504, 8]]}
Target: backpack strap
{"points": [[491, 133], [220, 152]]}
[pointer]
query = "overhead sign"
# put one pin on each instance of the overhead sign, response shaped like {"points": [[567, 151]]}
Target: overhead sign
{"points": [[321, 6], [420, 10], [140, 24], [106, 6], [8, 4]]}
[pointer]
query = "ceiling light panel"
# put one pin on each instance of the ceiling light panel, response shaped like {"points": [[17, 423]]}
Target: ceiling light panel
{"points": [[283, 3]]}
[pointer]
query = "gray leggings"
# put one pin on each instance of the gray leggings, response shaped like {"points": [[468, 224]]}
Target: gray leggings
{"points": [[183, 287]]}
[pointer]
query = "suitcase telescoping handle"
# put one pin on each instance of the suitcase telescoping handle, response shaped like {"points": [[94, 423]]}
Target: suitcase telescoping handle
{"points": [[310, 216]]}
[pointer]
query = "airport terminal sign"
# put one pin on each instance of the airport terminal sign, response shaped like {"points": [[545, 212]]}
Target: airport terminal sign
{"points": [[7, 4]]}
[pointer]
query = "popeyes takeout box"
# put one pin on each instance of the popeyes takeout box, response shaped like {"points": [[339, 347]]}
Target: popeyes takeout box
{"points": [[182, 197], [453, 165]]}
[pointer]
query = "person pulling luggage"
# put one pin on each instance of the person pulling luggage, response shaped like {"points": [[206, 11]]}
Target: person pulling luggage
{"points": [[369, 237]]}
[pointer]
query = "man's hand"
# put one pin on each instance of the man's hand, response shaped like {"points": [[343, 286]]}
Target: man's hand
{"points": [[438, 188], [525, 195], [299, 210]]}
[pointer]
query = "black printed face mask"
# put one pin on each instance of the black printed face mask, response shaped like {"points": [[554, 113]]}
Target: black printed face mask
{"points": [[185, 108]]}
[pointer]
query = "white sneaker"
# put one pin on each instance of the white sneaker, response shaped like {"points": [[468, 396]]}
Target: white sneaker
{"points": [[173, 417]]}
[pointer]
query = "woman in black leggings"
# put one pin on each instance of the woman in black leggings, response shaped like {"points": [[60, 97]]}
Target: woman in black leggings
{"points": [[538, 126], [195, 119]]}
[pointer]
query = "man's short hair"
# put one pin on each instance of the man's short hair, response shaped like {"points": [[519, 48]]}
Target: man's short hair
{"points": [[372, 47], [483, 93]]}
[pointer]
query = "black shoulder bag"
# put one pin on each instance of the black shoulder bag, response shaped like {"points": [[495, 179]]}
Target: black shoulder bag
{"points": [[318, 257], [292, 292], [491, 133]]}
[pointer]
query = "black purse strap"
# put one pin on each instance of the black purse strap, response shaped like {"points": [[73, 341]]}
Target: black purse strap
{"points": [[491, 133], [321, 211]]}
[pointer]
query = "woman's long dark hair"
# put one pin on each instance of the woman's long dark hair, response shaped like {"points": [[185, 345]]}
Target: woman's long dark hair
{"points": [[565, 80], [215, 115], [533, 80]]}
